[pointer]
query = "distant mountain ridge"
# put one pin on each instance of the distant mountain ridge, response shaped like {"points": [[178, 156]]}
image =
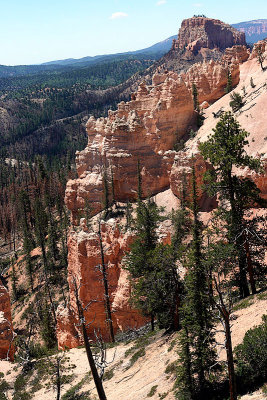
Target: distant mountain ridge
{"points": [[255, 30], [157, 50]]}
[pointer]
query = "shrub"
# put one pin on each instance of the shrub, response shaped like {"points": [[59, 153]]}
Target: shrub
{"points": [[152, 391], [251, 356], [108, 375], [236, 101], [138, 354], [73, 393]]}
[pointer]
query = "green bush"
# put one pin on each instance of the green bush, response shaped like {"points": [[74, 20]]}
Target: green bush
{"points": [[236, 101], [138, 354], [251, 356], [72, 394], [152, 391]]}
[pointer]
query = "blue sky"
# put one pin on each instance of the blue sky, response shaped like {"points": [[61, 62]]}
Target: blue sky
{"points": [[38, 31]]}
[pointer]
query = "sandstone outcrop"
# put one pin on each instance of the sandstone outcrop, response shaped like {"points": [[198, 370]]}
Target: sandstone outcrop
{"points": [[6, 327], [210, 77], [143, 130], [260, 46], [199, 33], [84, 261]]}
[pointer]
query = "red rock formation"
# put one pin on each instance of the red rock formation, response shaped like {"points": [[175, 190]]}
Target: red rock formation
{"points": [[84, 259], [143, 129], [210, 77], [6, 327], [198, 33], [261, 46]]}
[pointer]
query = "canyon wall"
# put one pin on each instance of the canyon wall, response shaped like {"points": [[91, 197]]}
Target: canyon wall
{"points": [[142, 131], [145, 130]]}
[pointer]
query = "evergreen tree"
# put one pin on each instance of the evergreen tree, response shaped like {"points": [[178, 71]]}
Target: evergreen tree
{"points": [[197, 354], [139, 181], [14, 279], [48, 332], [106, 287], [229, 85], [225, 149], [195, 97], [129, 218], [236, 102], [139, 260], [260, 56]]}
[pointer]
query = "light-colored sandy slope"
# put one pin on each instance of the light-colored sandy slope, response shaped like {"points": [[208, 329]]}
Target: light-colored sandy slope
{"points": [[252, 117], [245, 319], [135, 383]]}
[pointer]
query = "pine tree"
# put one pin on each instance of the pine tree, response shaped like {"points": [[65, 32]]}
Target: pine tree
{"points": [[229, 85], [106, 287], [14, 279], [196, 349], [225, 149], [220, 261], [139, 260], [260, 56], [48, 332], [139, 181], [195, 97]]}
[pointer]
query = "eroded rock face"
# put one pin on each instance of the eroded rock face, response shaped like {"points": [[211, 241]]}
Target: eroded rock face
{"points": [[84, 261], [143, 130], [259, 47], [198, 33], [6, 327], [210, 77]]}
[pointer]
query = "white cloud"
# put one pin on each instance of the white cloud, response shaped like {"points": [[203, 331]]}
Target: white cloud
{"points": [[118, 14], [160, 2], [197, 4]]}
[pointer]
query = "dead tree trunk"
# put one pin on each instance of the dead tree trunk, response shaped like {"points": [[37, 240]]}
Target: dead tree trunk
{"points": [[97, 380], [58, 378], [106, 293], [225, 319]]}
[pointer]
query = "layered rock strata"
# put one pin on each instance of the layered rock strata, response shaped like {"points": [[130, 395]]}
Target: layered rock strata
{"points": [[144, 130], [6, 327], [210, 77], [199, 33]]}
